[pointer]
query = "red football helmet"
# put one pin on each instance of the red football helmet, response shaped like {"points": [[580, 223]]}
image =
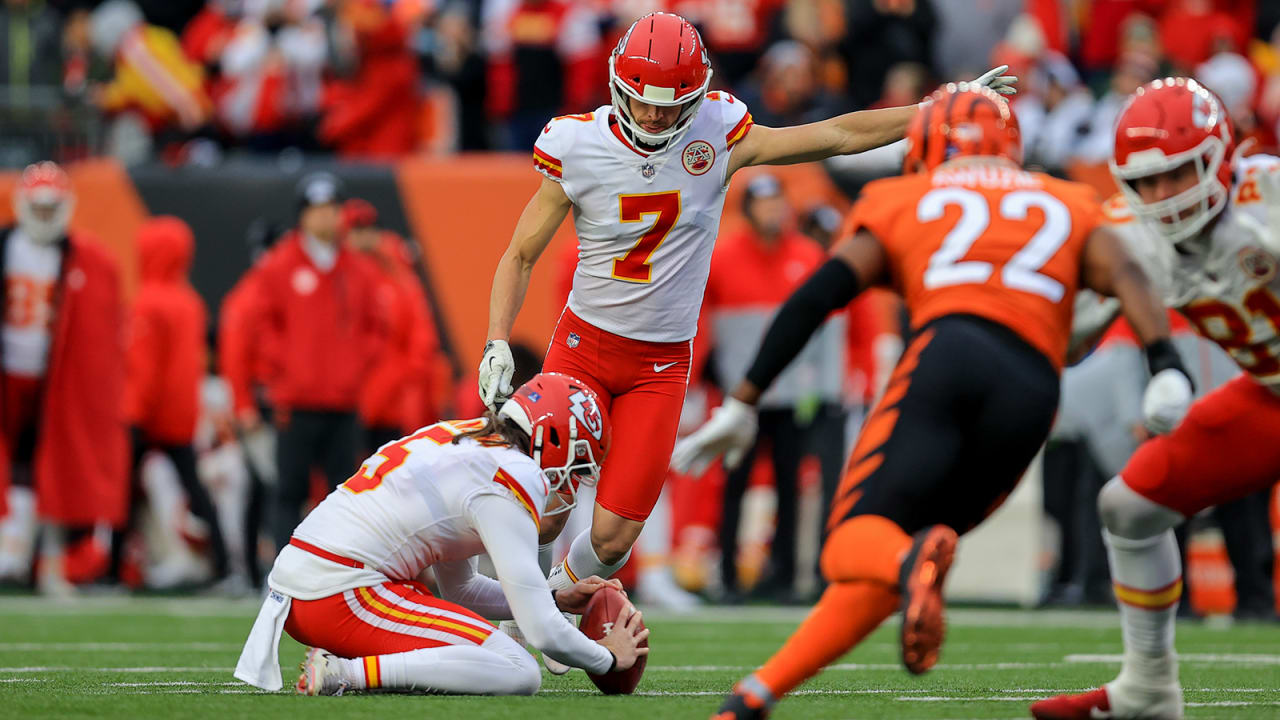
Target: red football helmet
{"points": [[961, 119], [43, 201], [1166, 124], [569, 433], [660, 60]]}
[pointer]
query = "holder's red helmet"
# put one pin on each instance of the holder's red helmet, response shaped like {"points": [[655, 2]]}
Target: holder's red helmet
{"points": [[961, 119], [569, 433], [660, 60], [1166, 124]]}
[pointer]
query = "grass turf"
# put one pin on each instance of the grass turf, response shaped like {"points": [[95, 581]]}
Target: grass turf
{"points": [[172, 658]]}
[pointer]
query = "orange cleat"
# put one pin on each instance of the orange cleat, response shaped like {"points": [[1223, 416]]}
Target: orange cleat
{"points": [[923, 572]]}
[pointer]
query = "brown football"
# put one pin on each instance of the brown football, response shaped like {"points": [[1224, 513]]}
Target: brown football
{"points": [[602, 610]]}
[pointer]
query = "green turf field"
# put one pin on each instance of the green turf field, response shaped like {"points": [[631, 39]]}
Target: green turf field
{"points": [[172, 658]]}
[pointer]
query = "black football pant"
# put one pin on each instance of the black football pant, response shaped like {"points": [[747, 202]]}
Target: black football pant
{"points": [[326, 439]]}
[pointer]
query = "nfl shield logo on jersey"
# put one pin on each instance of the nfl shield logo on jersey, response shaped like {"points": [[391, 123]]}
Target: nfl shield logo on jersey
{"points": [[698, 157], [573, 340]]}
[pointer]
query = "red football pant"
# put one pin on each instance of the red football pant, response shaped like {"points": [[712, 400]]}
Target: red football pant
{"points": [[641, 385], [383, 619], [1227, 447]]}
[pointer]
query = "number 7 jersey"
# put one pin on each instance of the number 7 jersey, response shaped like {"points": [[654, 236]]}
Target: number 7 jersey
{"points": [[988, 240], [646, 222]]}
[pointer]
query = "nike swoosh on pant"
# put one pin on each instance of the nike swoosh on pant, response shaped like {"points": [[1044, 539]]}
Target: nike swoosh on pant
{"points": [[659, 368]]}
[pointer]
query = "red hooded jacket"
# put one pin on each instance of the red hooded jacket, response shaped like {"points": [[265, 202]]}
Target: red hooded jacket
{"points": [[167, 347], [323, 329], [81, 459], [396, 384]]}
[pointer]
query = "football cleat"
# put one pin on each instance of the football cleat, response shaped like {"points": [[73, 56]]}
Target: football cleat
{"points": [[742, 706], [1093, 705], [1111, 704], [924, 570], [319, 675]]}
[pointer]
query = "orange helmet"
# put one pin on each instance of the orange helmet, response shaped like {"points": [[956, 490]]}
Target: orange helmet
{"points": [[961, 119]]}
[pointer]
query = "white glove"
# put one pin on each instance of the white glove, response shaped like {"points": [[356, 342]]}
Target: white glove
{"points": [[1166, 400], [496, 368], [731, 430], [998, 81]]}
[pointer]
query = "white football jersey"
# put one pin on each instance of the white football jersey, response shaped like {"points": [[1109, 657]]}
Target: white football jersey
{"points": [[404, 510], [1226, 283], [646, 223]]}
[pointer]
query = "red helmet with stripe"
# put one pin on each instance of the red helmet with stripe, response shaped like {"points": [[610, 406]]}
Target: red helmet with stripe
{"points": [[569, 433], [961, 119], [661, 61], [1166, 124], [43, 201]]}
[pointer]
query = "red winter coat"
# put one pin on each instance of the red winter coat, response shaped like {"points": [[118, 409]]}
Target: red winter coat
{"points": [[81, 459], [167, 348], [400, 376], [243, 360], [323, 329]]}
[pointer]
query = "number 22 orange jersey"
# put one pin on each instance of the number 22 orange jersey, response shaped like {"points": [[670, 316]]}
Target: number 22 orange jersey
{"points": [[988, 240]]}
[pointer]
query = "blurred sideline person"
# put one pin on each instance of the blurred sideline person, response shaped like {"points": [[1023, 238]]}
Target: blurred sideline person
{"points": [[64, 448], [752, 273], [988, 258], [645, 177], [349, 583], [315, 310], [166, 358], [1206, 230], [397, 386]]}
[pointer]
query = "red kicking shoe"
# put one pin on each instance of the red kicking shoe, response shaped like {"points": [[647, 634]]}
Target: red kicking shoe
{"points": [[1093, 705]]}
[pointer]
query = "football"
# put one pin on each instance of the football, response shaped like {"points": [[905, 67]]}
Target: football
{"points": [[597, 621]]}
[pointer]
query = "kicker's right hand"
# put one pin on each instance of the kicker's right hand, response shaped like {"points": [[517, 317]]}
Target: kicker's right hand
{"points": [[496, 368], [730, 431], [625, 637]]}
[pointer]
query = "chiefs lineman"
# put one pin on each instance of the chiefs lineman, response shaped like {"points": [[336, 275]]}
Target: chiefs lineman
{"points": [[646, 179], [1206, 229], [347, 583], [988, 258]]}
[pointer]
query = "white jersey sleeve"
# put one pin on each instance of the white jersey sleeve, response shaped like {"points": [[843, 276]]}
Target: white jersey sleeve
{"points": [[736, 120], [552, 147], [512, 545]]}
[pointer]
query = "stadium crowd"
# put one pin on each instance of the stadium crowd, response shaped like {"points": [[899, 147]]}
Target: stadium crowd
{"points": [[185, 80], [190, 82]]}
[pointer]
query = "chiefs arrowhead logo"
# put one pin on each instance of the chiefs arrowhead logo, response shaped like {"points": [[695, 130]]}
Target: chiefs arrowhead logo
{"points": [[584, 408]]}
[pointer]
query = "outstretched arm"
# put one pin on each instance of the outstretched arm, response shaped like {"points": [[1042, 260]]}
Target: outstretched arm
{"points": [[846, 134]]}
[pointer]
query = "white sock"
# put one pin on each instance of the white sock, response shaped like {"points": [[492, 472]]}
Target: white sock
{"points": [[545, 555], [1147, 575], [497, 667], [581, 562]]}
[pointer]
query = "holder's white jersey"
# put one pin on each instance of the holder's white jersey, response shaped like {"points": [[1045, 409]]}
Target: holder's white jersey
{"points": [[405, 510], [646, 223], [1226, 281]]}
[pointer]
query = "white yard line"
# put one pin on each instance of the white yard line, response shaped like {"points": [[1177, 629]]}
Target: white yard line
{"points": [[1230, 658]]}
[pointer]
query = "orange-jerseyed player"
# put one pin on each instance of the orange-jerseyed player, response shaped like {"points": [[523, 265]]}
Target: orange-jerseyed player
{"points": [[988, 258]]}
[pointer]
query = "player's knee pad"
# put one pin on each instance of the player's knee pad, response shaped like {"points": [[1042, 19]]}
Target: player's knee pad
{"points": [[1127, 514]]}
